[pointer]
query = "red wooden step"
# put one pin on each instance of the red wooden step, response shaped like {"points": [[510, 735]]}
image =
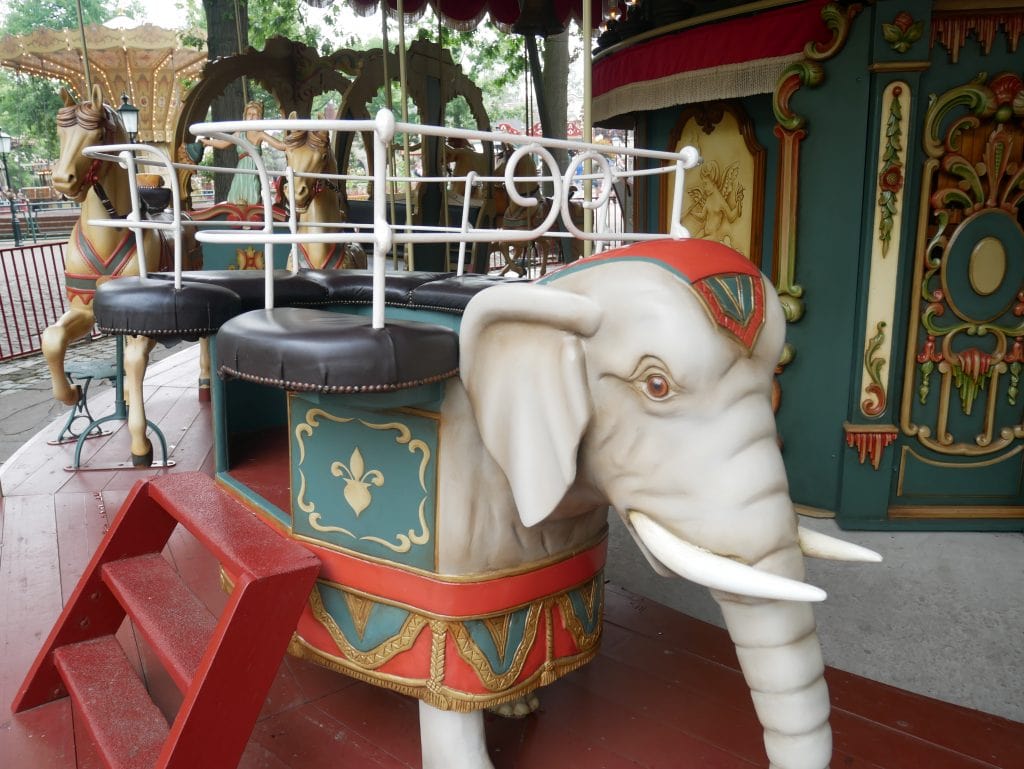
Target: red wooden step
{"points": [[224, 667], [175, 623], [109, 695]]}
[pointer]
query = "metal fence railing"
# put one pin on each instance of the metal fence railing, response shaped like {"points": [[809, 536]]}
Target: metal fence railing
{"points": [[31, 295]]}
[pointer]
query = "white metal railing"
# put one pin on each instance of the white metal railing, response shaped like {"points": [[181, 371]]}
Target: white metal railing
{"points": [[595, 161]]}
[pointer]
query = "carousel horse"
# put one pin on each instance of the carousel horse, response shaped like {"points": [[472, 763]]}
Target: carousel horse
{"points": [[460, 156], [94, 254], [515, 216], [317, 201]]}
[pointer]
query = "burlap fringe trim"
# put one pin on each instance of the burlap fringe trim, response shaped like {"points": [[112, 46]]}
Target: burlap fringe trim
{"points": [[730, 81]]}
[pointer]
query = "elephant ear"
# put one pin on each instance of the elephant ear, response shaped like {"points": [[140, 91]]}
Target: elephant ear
{"points": [[524, 369]]}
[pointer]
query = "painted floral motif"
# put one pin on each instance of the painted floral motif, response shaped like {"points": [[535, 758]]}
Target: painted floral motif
{"points": [[890, 179], [873, 364], [357, 481], [248, 258], [903, 32]]}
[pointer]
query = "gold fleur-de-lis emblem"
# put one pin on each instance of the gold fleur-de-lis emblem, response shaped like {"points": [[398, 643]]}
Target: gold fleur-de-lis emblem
{"points": [[357, 481]]}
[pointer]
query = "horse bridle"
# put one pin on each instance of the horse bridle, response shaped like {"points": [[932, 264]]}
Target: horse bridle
{"points": [[92, 176], [318, 186]]}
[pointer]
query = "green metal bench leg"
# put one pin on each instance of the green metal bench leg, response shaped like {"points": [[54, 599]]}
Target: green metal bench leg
{"points": [[120, 414]]}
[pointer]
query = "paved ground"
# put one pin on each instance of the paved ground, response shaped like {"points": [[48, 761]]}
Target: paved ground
{"points": [[26, 402]]}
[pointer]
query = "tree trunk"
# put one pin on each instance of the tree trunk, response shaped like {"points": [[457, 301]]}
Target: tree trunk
{"points": [[556, 90], [226, 38]]}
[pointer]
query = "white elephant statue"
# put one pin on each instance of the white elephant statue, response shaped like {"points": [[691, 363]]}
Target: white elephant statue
{"points": [[641, 380]]}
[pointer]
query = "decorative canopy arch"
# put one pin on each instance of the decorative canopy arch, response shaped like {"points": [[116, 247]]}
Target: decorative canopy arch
{"points": [[147, 63]]}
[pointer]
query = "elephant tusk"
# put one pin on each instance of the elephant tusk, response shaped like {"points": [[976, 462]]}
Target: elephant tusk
{"points": [[818, 545], [715, 571]]}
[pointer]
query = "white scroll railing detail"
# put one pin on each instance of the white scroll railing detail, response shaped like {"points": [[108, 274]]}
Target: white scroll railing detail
{"points": [[385, 236]]}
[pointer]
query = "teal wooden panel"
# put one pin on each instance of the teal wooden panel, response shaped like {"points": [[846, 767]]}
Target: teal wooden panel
{"points": [[365, 480], [945, 480]]}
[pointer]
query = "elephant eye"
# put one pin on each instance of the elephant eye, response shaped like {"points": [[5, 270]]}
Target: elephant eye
{"points": [[656, 387]]}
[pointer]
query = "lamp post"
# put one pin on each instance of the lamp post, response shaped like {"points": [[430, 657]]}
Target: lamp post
{"points": [[5, 148], [130, 117]]}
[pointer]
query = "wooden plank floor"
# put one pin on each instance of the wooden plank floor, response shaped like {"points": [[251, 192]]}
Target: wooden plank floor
{"points": [[665, 690]]}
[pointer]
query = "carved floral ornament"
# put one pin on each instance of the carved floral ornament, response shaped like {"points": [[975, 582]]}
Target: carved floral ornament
{"points": [[902, 32], [968, 326]]}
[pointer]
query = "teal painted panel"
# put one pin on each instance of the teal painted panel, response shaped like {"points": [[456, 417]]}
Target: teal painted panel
{"points": [[957, 272], [943, 480], [589, 620], [500, 660], [382, 623], [365, 480]]}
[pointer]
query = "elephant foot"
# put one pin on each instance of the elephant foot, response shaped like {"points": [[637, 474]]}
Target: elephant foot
{"points": [[143, 460], [451, 740], [204, 390], [520, 707]]}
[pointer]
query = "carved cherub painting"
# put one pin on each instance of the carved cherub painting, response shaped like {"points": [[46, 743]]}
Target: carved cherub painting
{"points": [[723, 196]]}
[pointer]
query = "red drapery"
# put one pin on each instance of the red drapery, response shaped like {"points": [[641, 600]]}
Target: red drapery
{"points": [[465, 14], [765, 35]]}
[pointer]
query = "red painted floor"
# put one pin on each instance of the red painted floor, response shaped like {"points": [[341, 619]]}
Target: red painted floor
{"points": [[664, 692]]}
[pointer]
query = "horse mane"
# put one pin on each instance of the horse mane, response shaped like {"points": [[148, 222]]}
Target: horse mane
{"points": [[318, 141], [85, 115]]}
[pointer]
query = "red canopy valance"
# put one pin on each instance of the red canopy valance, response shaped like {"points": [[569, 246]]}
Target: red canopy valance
{"points": [[726, 59], [466, 14]]}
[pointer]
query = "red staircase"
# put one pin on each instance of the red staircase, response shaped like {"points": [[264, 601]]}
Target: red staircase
{"points": [[223, 666]]}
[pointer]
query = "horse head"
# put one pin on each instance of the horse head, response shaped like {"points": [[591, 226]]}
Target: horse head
{"points": [[81, 125], [308, 152]]}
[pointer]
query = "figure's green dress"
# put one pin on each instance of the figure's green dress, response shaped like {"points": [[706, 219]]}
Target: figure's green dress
{"points": [[245, 188]]}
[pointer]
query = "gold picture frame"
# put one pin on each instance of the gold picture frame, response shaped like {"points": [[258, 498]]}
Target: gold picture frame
{"points": [[723, 198]]}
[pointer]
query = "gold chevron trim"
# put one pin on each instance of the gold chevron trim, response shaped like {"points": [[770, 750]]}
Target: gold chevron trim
{"points": [[377, 656], [471, 653]]}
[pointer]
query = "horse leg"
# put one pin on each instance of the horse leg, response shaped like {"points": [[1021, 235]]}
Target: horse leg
{"points": [[136, 358], [204, 369], [73, 325]]}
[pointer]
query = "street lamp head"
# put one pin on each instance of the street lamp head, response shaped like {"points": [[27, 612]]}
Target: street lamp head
{"points": [[129, 116], [5, 142]]}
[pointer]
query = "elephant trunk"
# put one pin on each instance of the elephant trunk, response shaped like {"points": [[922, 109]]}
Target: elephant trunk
{"points": [[769, 618], [777, 646]]}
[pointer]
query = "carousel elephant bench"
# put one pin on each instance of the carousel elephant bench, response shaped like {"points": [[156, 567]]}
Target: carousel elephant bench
{"points": [[454, 478]]}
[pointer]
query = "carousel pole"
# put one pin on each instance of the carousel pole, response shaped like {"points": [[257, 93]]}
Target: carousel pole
{"points": [[85, 48], [588, 125], [389, 102]]}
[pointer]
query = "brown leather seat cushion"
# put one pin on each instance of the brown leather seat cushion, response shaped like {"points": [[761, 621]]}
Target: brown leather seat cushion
{"points": [[155, 309], [356, 286], [303, 349], [452, 294]]}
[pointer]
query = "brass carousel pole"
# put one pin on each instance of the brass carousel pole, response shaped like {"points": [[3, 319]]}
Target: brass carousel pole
{"points": [[403, 90], [85, 49]]}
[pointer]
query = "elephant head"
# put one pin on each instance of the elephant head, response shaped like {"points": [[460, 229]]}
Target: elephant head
{"points": [[642, 380]]}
